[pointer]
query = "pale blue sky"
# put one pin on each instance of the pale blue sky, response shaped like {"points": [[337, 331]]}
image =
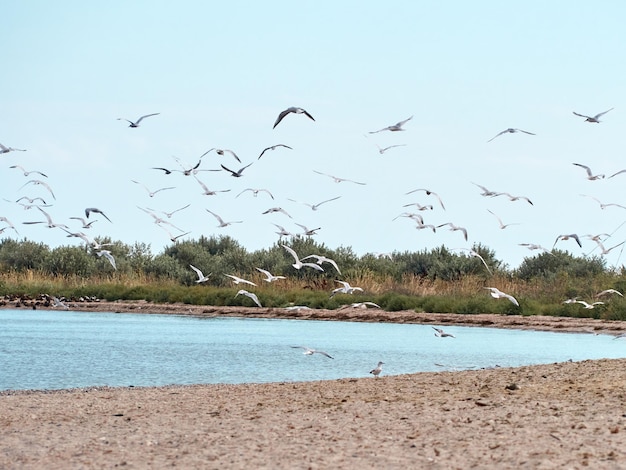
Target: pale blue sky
{"points": [[220, 74]]}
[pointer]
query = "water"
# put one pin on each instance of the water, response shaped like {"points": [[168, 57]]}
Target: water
{"points": [[55, 349]]}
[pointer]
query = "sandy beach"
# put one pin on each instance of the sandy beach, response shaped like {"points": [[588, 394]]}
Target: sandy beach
{"points": [[565, 415]]}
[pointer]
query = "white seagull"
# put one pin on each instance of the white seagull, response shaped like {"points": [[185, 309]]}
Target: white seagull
{"points": [[158, 220], [95, 210], [567, 237], [382, 150], [486, 192], [336, 179], [152, 193], [40, 183], [107, 254], [515, 198], [346, 289], [201, 277], [454, 228], [221, 221], [429, 193], [590, 175], [136, 123], [602, 205], [587, 305], [26, 173], [502, 225], [498, 294], [319, 259], [4, 149], [439, 333], [510, 130], [609, 291], [255, 192], [315, 206], [207, 191], [308, 232], [86, 225], [222, 152], [393, 128], [299, 264], [376, 371], [277, 209], [269, 277], [49, 221], [273, 147], [238, 173], [595, 118], [310, 352], [475, 254], [239, 280], [292, 109], [249, 295]]}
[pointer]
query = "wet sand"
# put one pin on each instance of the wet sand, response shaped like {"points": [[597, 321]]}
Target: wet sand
{"points": [[566, 415]]}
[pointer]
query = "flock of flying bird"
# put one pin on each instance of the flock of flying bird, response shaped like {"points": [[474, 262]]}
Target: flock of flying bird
{"points": [[317, 261]]}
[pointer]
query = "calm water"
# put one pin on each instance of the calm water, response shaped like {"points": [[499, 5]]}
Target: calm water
{"points": [[54, 349]]}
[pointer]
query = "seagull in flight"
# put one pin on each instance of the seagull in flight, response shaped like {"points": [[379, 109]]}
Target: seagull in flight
{"points": [[170, 214], [567, 237], [158, 220], [249, 295], [595, 118], [222, 152], [609, 291], [86, 225], [273, 147], [201, 277], [255, 192], [345, 289], [308, 232], [292, 109], [533, 246], [26, 173], [49, 221], [221, 221], [95, 210], [136, 123], [587, 305], [40, 183], [377, 370], [319, 259], [173, 238], [429, 193], [515, 198], [298, 264], [310, 352], [502, 225], [207, 191], [439, 333], [604, 206], [152, 193], [236, 174], [382, 150], [107, 254], [4, 149], [590, 175], [282, 231], [277, 209], [510, 130], [486, 192], [498, 294], [475, 254], [394, 128], [269, 277], [337, 179], [315, 206], [454, 227], [239, 280], [606, 251]]}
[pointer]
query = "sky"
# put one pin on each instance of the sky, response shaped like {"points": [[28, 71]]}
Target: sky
{"points": [[219, 74]]}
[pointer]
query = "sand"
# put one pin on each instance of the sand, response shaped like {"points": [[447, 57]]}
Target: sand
{"points": [[565, 415]]}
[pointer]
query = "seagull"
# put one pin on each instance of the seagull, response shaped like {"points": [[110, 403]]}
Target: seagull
{"points": [[277, 209], [158, 220], [94, 244], [382, 150], [172, 237], [604, 206], [9, 223], [475, 254], [86, 224], [455, 228], [107, 254], [498, 294], [308, 232], [26, 173], [346, 289], [502, 225], [532, 246], [236, 174], [364, 305], [606, 251], [595, 118], [269, 277], [319, 259], [294, 110], [89, 210], [273, 147], [394, 128], [310, 352], [429, 193], [298, 263], [56, 302], [609, 291], [4, 149], [515, 198], [486, 192], [419, 207], [249, 295], [201, 277], [422, 226], [510, 130], [152, 193], [337, 179], [238, 280], [40, 183], [136, 123], [49, 221], [209, 192], [315, 206], [255, 192], [379, 368], [411, 215], [223, 152], [221, 221], [590, 175], [439, 333], [617, 173], [188, 171], [282, 231], [170, 214], [587, 305], [30, 200], [167, 172], [567, 237]]}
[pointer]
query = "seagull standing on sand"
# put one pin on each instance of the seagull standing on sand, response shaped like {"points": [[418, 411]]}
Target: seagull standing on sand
{"points": [[310, 352], [201, 277], [292, 109], [250, 295], [393, 128], [595, 118], [510, 130], [376, 371], [136, 123], [498, 294]]}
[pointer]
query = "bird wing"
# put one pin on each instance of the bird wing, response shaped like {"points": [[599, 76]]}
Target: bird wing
{"points": [[219, 219], [281, 116], [601, 114], [498, 135], [585, 167], [143, 117], [581, 115], [198, 272]]}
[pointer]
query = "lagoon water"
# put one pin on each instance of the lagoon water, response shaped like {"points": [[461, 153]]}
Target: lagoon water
{"points": [[64, 349]]}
